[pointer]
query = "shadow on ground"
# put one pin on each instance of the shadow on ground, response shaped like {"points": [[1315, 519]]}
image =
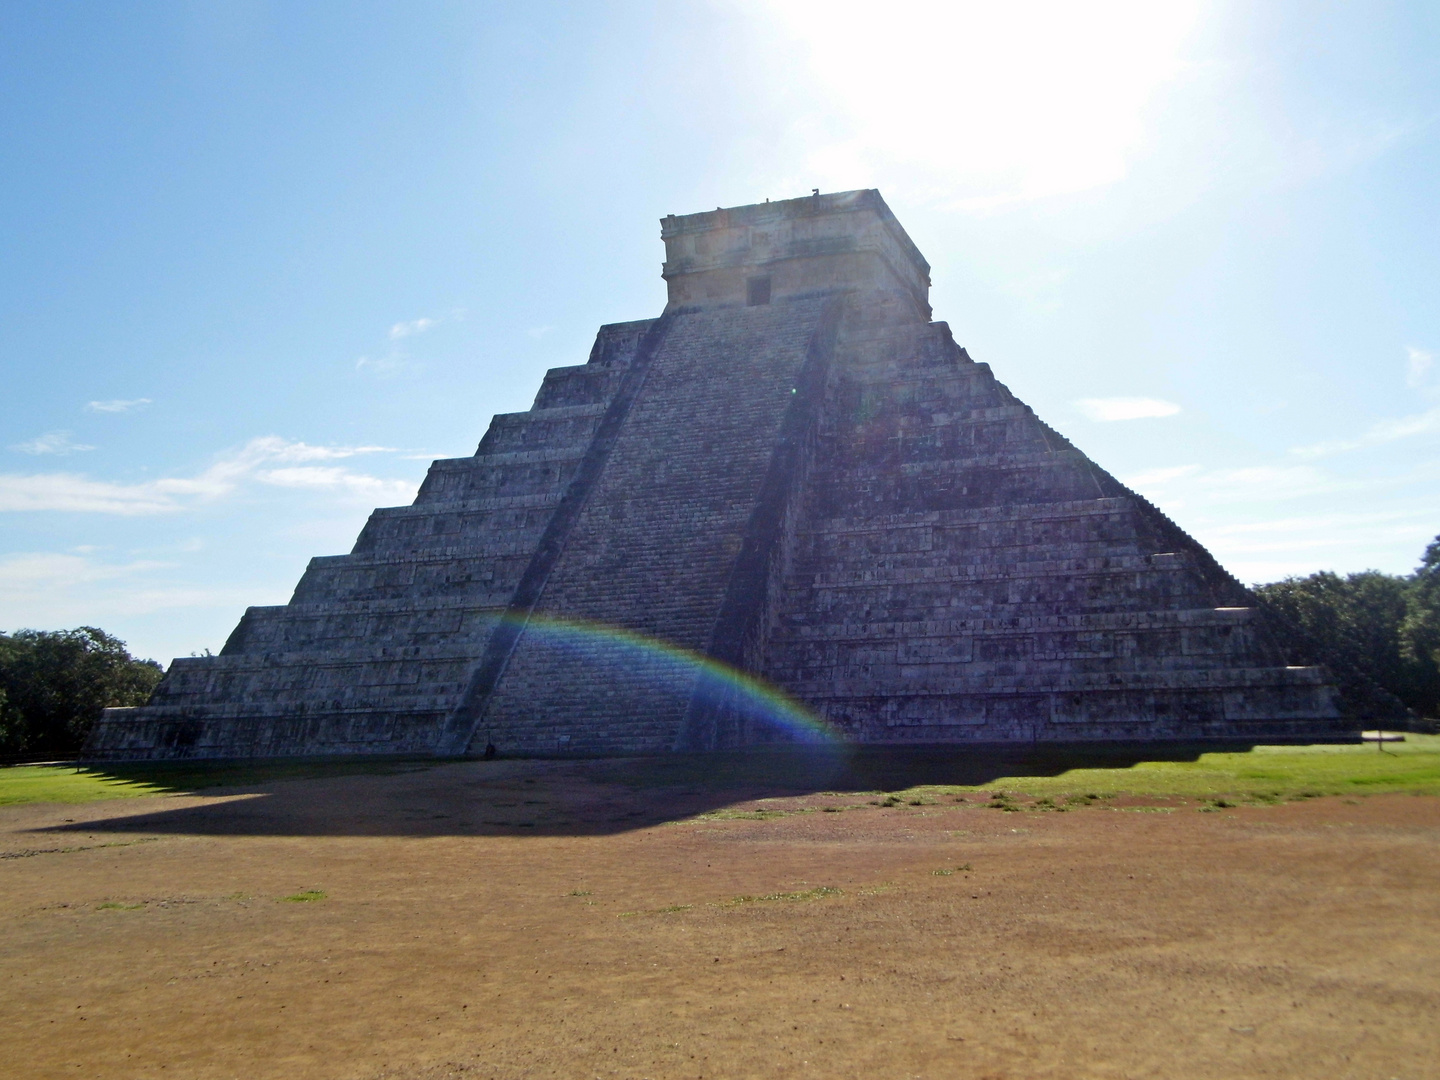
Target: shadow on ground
{"points": [[571, 797]]}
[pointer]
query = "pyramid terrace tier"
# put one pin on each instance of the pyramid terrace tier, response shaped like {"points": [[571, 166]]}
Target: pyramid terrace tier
{"points": [[409, 621], [1242, 705], [1093, 520], [896, 654], [344, 673], [467, 526], [308, 729], [498, 475], [374, 699]]}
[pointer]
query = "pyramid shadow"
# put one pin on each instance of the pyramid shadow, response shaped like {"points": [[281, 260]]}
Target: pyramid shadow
{"points": [[573, 797]]}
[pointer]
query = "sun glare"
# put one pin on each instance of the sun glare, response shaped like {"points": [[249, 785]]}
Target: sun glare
{"points": [[982, 104]]}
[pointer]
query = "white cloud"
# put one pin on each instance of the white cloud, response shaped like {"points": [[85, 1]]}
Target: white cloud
{"points": [[1266, 521], [78, 494], [329, 477], [1154, 479], [414, 326], [1253, 483], [273, 447], [1420, 363], [1267, 482], [382, 365], [52, 442], [1125, 408], [70, 492], [1384, 432], [1322, 532], [30, 570], [49, 589], [118, 405], [1270, 549], [537, 332]]}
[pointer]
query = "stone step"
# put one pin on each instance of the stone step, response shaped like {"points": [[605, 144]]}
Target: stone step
{"points": [[1037, 460], [889, 676], [920, 548], [1057, 682], [1070, 622], [961, 516], [906, 568]]}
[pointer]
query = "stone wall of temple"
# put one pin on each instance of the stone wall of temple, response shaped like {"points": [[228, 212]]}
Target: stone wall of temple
{"points": [[793, 471]]}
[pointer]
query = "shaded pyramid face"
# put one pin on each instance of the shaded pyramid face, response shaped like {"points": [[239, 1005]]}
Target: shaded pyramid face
{"points": [[966, 573], [792, 473]]}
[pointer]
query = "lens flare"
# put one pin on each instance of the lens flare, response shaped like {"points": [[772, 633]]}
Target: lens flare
{"points": [[712, 683]]}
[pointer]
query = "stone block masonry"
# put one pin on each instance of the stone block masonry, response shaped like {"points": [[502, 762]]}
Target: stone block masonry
{"points": [[793, 470]]}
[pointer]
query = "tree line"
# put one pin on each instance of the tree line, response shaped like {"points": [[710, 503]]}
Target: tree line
{"points": [[1379, 634], [54, 683]]}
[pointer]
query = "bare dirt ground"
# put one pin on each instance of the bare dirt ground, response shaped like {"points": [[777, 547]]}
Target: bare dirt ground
{"points": [[532, 919]]}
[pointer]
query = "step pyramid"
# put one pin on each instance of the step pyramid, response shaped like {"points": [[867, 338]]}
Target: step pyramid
{"points": [[792, 473]]}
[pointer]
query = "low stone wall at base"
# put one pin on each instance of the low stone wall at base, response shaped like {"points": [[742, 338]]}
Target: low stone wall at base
{"points": [[157, 733]]}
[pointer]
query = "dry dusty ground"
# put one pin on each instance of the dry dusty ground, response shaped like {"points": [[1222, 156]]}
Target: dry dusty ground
{"points": [[512, 919]]}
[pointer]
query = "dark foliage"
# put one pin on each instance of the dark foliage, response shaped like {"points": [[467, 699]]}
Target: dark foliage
{"points": [[53, 685], [1372, 630], [1420, 633]]}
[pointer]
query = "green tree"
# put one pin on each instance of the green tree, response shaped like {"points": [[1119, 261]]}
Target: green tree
{"points": [[1420, 631], [1374, 631], [9, 714], [54, 684], [1351, 625]]}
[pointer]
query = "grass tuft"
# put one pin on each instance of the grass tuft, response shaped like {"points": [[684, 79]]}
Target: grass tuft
{"points": [[788, 897], [963, 868], [670, 910], [306, 897]]}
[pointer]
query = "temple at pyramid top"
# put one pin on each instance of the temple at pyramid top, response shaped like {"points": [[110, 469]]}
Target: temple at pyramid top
{"points": [[788, 507], [771, 250]]}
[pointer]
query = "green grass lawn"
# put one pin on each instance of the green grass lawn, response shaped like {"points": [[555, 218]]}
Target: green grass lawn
{"points": [[1265, 772], [54, 783], [66, 784]]}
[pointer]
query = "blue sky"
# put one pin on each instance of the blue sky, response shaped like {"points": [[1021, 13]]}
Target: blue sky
{"points": [[263, 261]]}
